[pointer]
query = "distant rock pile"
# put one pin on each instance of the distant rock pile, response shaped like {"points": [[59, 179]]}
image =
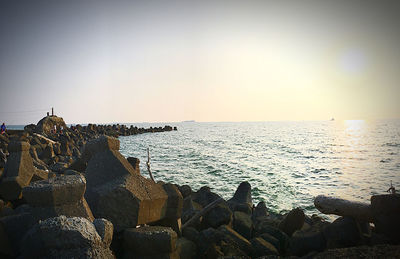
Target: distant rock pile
{"points": [[73, 195]]}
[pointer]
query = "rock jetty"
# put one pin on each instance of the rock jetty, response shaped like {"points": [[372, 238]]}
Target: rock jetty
{"points": [[73, 195]]}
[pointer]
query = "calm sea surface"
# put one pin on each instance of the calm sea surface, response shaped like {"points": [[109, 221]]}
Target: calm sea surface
{"points": [[286, 163]]}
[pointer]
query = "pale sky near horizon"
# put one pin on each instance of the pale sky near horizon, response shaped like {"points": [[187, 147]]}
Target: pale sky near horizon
{"points": [[166, 61]]}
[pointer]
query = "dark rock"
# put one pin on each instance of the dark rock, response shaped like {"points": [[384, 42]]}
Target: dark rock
{"points": [[190, 233], [63, 237], [204, 196], [135, 164], [242, 224], [343, 232], [241, 242], [292, 221], [217, 216], [149, 241], [385, 212], [303, 243], [105, 229], [241, 200], [272, 240], [261, 247], [185, 190], [282, 237], [260, 210], [12, 230], [185, 248]]}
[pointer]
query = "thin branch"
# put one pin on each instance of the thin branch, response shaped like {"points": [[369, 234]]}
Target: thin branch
{"points": [[148, 165]]}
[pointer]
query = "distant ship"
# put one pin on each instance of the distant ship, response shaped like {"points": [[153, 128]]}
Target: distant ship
{"points": [[332, 119], [189, 121]]}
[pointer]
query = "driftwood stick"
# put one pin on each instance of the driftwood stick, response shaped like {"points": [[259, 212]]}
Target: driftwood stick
{"points": [[202, 212], [331, 205], [148, 165]]}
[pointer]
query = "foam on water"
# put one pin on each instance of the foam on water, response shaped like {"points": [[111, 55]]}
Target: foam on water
{"points": [[286, 163]]}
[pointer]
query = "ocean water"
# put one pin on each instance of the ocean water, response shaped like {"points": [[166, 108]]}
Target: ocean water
{"points": [[286, 163]]}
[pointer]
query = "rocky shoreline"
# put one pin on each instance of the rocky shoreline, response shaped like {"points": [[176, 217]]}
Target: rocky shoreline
{"points": [[71, 194]]}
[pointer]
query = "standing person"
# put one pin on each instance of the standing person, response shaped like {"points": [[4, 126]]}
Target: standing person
{"points": [[3, 128], [55, 129]]}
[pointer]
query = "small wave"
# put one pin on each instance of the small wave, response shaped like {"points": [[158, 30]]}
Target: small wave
{"points": [[385, 160], [392, 144], [316, 171]]}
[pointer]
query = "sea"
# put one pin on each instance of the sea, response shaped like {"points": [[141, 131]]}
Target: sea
{"points": [[287, 163]]}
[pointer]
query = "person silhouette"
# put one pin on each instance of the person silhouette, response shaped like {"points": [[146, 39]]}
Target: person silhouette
{"points": [[3, 128]]}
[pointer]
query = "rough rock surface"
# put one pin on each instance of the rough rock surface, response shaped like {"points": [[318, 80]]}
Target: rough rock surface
{"points": [[149, 241], [241, 200], [117, 193], [18, 170], [61, 195], [46, 125], [63, 237]]}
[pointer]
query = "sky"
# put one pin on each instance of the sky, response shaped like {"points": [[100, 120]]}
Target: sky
{"points": [[169, 61]]}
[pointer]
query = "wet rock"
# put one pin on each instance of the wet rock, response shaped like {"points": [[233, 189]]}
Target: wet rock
{"points": [[261, 247], [385, 212], [18, 171], [62, 195], [241, 200], [343, 232], [242, 224], [63, 237], [153, 242], [293, 221]]}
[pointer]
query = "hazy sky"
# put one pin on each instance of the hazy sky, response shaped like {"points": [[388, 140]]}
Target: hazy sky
{"points": [[135, 61]]}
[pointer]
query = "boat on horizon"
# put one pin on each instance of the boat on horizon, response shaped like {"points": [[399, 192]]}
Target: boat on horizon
{"points": [[189, 121], [332, 119]]}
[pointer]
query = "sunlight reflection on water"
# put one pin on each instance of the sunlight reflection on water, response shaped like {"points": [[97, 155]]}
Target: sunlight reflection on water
{"points": [[286, 163]]}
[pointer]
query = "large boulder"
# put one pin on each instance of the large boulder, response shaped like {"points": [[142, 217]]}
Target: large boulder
{"points": [[18, 170], [241, 200], [385, 213], [62, 195], [242, 224], [293, 221], [63, 237], [153, 242], [46, 125], [217, 216], [117, 193], [343, 232]]}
